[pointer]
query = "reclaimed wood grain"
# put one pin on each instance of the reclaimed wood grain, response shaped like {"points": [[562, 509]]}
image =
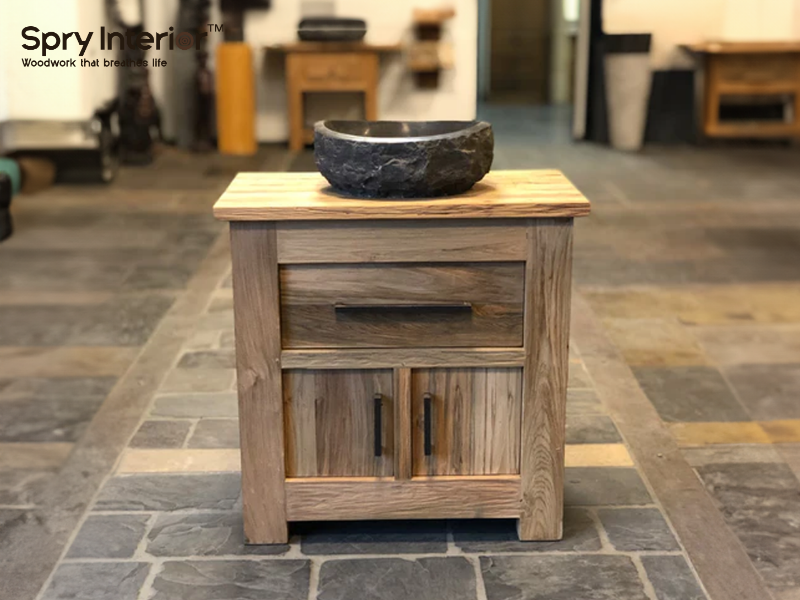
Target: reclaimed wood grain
{"points": [[475, 421], [547, 309], [256, 306], [382, 358], [495, 497], [402, 420], [500, 240], [329, 420], [307, 196], [310, 296]]}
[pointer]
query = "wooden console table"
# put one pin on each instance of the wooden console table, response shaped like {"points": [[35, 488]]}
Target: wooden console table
{"points": [[402, 359], [749, 69], [328, 67]]}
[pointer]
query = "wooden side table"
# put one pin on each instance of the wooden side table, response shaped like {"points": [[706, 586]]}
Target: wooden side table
{"points": [[749, 69], [329, 67], [402, 359]]}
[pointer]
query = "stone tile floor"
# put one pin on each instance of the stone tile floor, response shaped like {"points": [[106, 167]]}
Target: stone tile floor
{"points": [[689, 262]]}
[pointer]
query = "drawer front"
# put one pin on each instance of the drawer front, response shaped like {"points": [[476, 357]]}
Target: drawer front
{"points": [[402, 305], [775, 69], [338, 68]]}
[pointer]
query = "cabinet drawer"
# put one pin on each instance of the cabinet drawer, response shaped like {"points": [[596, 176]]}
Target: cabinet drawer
{"points": [[402, 305], [316, 69]]}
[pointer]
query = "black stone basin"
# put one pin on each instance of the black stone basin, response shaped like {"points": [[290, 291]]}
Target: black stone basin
{"points": [[403, 159]]}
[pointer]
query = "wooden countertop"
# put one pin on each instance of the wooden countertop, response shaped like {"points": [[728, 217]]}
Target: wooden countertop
{"points": [[308, 196], [333, 47], [744, 47]]}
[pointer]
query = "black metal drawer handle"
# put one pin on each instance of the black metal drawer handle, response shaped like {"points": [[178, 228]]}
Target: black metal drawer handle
{"points": [[378, 428], [450, 307], [428, 406]]}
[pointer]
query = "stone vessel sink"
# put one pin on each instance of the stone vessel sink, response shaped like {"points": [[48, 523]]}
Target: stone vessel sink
{"points": [[403, 159]]}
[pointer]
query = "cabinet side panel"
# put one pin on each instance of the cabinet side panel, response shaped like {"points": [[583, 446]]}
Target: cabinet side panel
{"points": [[258, 350], [547, 309]]}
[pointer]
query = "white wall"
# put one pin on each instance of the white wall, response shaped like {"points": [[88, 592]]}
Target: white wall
{"points": [[675, 22], [51, 93], [388, 22]]}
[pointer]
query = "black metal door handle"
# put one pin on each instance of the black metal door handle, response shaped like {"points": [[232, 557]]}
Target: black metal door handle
{"points": [[428, 402], [448, 307], [378, 428]]}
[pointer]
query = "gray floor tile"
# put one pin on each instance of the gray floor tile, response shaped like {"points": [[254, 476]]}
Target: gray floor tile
{"points": [[118, 322], [761, 503], [45, 420], [500, 535], [215, 433], [375, 537], [197, 406], [598, 486], [637, 529], [57, 388], [768, 391], [97, 581], [566, 577], [219, 491], [233, 580], [204, 534], [591, 429], [209, 359], [161, 434], [584, 402], [109, 536], [672, 578], [690, 394], [10, 518], [451, 578]]}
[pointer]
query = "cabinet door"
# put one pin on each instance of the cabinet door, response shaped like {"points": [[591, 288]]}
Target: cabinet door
{"points": [[471, 419], [332, 420]]}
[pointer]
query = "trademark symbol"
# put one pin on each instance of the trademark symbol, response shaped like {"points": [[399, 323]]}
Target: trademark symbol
{"points": [[215, 28]]}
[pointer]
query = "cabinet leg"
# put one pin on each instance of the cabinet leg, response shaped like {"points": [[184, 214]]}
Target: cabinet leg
{"points": [[547, 308], [257, 324]]}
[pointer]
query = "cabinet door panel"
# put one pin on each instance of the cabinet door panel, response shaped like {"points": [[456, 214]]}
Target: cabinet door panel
{"points": [[475, 421], [329, 418]]}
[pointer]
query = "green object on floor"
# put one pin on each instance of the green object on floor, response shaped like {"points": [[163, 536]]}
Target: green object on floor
{"points": [[10, 167]]}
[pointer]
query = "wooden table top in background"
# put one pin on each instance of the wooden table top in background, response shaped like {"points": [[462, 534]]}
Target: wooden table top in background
{"points": [[744, 47], [334, 47], [308, 196]]}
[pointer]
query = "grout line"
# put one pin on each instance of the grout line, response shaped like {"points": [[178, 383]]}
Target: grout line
{"points": [[315, 566], [190, 433], [605, 542], [480, 584], [648, 585], [146, 591]]}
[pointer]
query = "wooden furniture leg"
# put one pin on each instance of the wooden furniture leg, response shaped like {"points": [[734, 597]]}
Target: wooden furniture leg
{"points": [[294, 103], [712, 96], [547, 309], [258, 349], [371, 91]]}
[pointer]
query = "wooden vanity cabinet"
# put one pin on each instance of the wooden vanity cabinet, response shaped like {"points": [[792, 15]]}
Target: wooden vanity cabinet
{"points": [[402, 359]]}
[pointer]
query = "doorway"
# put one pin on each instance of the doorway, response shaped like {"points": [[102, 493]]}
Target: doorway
{"points": [[516, 47]]}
